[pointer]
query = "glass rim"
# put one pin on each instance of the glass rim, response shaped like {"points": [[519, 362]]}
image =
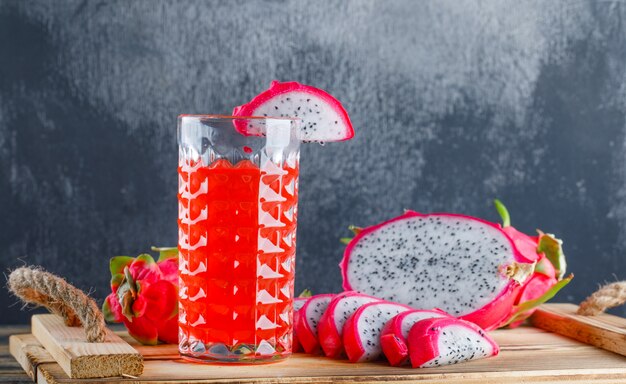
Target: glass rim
{"points": [[230, 117]]}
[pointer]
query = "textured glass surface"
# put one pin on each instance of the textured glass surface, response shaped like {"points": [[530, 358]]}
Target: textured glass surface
{"points": [[237, 232]]}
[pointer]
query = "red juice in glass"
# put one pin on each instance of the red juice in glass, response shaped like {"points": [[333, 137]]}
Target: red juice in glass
{"points": [[237, 229]]}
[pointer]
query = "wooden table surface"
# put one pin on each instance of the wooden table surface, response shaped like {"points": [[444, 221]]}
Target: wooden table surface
{"points": [[10, 370], [528, 354]]}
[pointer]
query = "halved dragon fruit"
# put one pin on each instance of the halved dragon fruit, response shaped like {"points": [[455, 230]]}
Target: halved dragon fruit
{"points": [[468, 267], [298, 303], [330, 327], [308, 319], [323, 118], [395, 333], [444, 341], [362, 330]]}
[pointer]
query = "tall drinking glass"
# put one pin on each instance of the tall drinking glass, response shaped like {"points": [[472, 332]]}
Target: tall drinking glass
{"points": [[237, 202]]}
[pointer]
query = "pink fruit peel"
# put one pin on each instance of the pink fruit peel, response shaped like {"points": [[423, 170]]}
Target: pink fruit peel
{"points": [[145, 296]]}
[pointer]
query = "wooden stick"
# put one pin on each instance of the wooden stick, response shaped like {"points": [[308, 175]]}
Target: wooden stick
{"points": [[81, 359], [603, 331]]}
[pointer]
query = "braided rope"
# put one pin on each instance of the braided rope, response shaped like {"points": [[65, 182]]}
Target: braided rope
{"points": [[609, 296], [36, 286]]}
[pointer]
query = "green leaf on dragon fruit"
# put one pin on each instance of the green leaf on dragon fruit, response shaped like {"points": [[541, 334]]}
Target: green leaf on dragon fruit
{"points": [[126, 294], [146, 258], [553, 249], [520, 310], [117, 264], [306, 293], [503, 212], [166, 252], [356, 230], [345, 240], [116, 280], [109, 316]]}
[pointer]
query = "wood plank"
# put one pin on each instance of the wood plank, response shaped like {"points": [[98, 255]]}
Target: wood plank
{"points": [[29, 353], [527, 355], [80, 359], [603, 331]]}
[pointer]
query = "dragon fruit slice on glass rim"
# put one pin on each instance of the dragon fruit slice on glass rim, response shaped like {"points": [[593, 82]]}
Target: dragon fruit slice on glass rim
{"points": [[145, 296], [323, 118], [465, 266], [442, 341]]}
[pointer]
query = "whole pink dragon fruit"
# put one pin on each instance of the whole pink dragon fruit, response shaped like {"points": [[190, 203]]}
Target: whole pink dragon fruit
{"points": [[145, 296]]}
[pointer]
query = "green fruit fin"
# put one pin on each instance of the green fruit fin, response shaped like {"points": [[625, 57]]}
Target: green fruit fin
{"points": [[503, 212], [306, 293], [109, 317], [166, 252], [117, 280], [356, 230], [146, 258], [553, 249], [345, 240], [117, 264], [520, 310]]}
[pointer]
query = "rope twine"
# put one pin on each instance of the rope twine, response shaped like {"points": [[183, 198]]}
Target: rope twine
{"points": [[609, 296], [36, 286]]}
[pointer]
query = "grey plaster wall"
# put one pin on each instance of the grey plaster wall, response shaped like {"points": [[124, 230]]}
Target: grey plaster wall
{"points": [[454, 103]]}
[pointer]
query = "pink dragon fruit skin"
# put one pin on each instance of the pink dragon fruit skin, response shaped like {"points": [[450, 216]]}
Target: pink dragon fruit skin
{"points": [[330, 327], [323, 117], [490, 315], [393, 338], [307, 320], [442, 341], [145, 297]]}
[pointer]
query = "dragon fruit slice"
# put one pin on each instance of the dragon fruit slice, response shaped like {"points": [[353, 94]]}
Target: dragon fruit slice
{"points": [[395, 333], [323, 117], [362, 330], [468, 267], [308, 319], [298, 303], [330, 328], [444, 341]]}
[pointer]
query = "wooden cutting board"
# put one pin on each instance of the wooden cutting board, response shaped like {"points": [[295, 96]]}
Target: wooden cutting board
{"points": [[528, 354]]}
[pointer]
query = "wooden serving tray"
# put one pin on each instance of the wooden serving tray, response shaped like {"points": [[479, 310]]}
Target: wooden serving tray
{"points": [[528, 354]]}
